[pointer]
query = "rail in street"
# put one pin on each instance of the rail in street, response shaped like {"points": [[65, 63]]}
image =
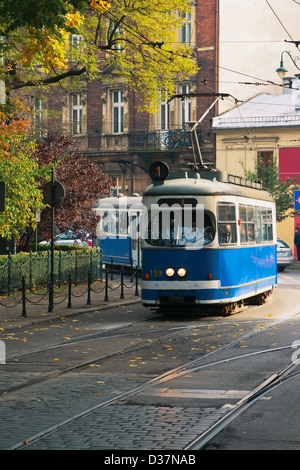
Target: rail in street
{"points": [[125, 379]]}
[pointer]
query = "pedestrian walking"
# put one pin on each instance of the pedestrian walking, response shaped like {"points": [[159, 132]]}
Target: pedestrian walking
{"points": [[297, 243]]}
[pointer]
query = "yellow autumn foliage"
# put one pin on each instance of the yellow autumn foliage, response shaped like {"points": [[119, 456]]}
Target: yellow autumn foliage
{"points": [[46, 48], [99, 5]]}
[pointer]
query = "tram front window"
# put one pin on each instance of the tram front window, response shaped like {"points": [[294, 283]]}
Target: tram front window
{"points": [[180, 228]]}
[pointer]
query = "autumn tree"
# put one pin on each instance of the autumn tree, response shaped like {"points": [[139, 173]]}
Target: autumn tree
{"points": [[281, 189], [22, 175], [83, 182], [133, 40]]}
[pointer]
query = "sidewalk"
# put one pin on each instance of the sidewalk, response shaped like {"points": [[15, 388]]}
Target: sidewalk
{"points": [[37, 305], [13, 313]]}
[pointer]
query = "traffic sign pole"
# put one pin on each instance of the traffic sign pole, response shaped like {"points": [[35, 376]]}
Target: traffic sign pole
{"points": [[50, 307], [54, 194]]}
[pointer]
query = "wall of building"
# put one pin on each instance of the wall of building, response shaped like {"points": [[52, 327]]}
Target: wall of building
{"points": [[238, 148], [114, 151], [251, 42]]}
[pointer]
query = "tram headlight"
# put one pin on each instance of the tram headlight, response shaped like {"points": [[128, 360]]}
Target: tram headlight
{"points": [[181, 272], [170, 272]]}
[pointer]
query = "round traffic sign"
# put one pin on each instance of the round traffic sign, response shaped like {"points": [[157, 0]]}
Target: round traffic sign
{"points": [[58, 195]]}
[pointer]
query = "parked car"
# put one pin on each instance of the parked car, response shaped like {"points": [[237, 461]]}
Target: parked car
{"points": [[87, 237], [284, 255], [69, 238]]}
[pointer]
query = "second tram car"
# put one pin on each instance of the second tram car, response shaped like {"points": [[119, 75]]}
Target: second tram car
{"points": [[230, 254], [118, 233]]}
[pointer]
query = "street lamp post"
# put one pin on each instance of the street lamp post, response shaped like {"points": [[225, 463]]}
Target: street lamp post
{"points": [[282, 71]]}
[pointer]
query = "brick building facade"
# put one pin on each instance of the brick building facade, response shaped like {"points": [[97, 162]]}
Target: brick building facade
{"points": [[124, 141]]}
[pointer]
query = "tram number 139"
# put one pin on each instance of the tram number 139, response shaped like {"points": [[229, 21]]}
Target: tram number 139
{"points": [[155, 272]]}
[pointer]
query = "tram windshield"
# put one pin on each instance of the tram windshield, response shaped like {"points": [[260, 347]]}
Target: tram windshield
{"points": [[180, 222]]}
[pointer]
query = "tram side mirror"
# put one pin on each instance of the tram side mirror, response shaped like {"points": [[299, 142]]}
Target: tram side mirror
{"points": [[158, 171]]}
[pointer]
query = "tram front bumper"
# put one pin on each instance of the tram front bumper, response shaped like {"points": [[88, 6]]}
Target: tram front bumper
{"points": [[179, 292]]}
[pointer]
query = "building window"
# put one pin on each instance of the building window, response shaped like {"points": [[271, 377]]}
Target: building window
{"points": [[38, 112], [117, 112], [185, 106], [38, 109], [116, 41], [164, 115], [75, 42], [76, 113], [185, 29], [265, 166], [2, 44]]}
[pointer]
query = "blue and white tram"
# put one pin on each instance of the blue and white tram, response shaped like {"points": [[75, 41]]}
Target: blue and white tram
{"points": [[118, 229], [236, 257]]}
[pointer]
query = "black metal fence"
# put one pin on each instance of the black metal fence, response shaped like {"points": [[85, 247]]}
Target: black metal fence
{"points": [[35, 268], [120, 281]]}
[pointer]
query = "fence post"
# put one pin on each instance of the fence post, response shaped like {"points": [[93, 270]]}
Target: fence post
{"points": [[59, 268], [76, 267], [100, 265], [48, 266], [131, 268], [136, 282], [24, 314], [20, 264], [50, 289], [30, 271], [111, 269], [9, 274], [91, 264], [122, 283], [69, 293], [89, 289], [106, 284]]}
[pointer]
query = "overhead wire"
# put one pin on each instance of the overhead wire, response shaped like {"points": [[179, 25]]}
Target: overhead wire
{"points": [[272, 9]]}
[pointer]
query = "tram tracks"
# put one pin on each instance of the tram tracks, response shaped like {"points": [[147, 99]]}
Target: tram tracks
{"points": [[102, 335], [267, 386], [190, 366], [90, 337], [201, 441]]}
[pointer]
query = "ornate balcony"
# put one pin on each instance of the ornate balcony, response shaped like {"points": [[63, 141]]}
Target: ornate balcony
{"points": [[171, 139]]}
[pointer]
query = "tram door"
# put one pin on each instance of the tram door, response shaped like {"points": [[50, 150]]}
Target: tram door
{"points": [[134, 233]]}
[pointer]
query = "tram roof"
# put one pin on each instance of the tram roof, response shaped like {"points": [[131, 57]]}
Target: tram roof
{"points": [[218, 183], [119, 201]]}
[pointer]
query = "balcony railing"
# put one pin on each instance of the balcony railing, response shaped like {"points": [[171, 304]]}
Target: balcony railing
{"points": [[171, 139]]}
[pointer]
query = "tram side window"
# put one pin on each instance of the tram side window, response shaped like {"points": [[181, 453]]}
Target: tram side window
{"points": [[123, 222], [243, 226], [110, 222], [226, 224], [257, 224], [115, 222], [267, 226], [246, 215]]}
